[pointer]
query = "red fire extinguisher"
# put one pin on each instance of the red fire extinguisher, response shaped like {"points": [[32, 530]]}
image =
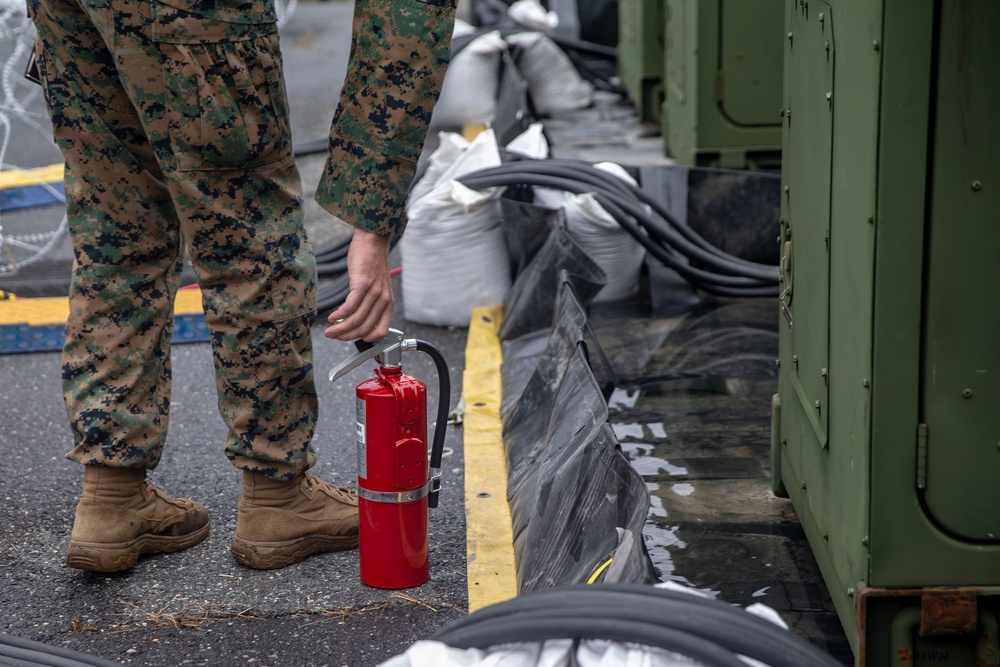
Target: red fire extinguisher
{"points": [[395, 485]]}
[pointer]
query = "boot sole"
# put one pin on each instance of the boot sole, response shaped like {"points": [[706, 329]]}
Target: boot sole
{"points": [[276, 555], [99, 557]]}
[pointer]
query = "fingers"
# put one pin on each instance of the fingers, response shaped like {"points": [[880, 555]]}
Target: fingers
{"points": [[365, 314], [367, 311]]}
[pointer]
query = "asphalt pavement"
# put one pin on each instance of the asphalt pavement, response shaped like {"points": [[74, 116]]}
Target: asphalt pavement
{"points": [[199, 607]]}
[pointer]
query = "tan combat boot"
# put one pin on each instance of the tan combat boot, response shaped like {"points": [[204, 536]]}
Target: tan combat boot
{"points": [[122, 516], [281, 523]]}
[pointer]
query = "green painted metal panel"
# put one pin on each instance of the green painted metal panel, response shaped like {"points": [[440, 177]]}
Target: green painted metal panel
{"points": [[641, 54], [710, 115], [961, 380], [750, 59], [902, 500]]}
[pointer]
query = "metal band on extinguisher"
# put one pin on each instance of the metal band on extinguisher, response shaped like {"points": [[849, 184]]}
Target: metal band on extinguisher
{"points": [[394, 497]]}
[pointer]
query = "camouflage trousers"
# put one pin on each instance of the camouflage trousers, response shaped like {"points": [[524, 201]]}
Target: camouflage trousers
{"points": [[175, 130]]}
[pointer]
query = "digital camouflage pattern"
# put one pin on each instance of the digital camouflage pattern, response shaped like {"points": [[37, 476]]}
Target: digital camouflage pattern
{"points": [[173, 121], [399, 54]]}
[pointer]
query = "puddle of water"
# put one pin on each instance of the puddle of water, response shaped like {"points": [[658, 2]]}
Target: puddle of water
{"points": [[701, 398], [623, 398]]}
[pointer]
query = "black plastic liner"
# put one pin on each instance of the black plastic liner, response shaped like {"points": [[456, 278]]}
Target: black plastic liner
{"points": [[530, 303], [576, 502]]}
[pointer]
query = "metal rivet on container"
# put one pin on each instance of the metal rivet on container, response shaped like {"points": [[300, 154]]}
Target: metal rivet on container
{"points": [[967, 393], [977, 185]]}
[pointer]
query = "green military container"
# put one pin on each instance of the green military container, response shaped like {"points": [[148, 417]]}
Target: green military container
{"points": [[886, 427], [723, 82], [640, 56]]}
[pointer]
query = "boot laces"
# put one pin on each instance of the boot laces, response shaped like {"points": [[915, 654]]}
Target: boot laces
{"points": [[338, 492], [151, 489]]}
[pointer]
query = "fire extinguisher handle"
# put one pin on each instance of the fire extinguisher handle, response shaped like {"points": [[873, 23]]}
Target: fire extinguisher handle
{"points": [[388, 352]]}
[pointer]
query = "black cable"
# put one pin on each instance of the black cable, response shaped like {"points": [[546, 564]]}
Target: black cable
{"points": [[331, 268], [657, 230], [25, 651], [591, 174], [730, 280], [720, 623], [667, 224], [333, 252], [537, 628], [444, 399]]}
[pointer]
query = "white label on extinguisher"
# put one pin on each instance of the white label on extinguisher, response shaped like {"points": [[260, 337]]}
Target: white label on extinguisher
{"points": [[362, 448]]}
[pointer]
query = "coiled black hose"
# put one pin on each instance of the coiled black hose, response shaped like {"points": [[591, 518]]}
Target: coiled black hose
{"points": [[668, 240], [708, 631], [18, 652]]}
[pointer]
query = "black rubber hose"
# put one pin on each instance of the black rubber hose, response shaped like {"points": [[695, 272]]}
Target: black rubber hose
{"points": [[532, 628], [645, 198], [725, 283], [727, 626], [587, 172], [444, 400], [722, 285], [722, 263], [658, 226], [18, 651], [334, 252], [331, 268], [510, 175]]}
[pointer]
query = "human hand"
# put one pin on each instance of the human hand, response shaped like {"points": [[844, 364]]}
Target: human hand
{"points": [[367, 310]]}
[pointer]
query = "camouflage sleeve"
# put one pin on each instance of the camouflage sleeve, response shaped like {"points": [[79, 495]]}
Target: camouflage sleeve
{"points": [[399, 52]]}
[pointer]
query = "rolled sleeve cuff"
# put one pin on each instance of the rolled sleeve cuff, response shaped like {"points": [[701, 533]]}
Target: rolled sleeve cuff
{"points": [[365, 187]]}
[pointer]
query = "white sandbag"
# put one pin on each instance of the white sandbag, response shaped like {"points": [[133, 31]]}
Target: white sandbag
{"points": [[553, 81], [613, 248], [530, 143], [454, 254], [450, 147], [469, 91], [531, 15], [551, 653]]}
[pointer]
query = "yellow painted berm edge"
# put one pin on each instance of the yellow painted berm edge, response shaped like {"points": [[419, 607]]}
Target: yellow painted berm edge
{"points": [[489, 537]]}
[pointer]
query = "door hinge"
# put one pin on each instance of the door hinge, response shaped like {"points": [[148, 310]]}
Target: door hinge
{"points": [[921, 456]]}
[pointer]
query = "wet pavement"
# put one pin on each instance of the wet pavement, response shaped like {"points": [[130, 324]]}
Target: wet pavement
{"points": [[692, 412]]}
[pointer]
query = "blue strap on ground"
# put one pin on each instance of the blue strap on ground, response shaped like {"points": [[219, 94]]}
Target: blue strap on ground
{"points": [[25, 339], [12, 199]]}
